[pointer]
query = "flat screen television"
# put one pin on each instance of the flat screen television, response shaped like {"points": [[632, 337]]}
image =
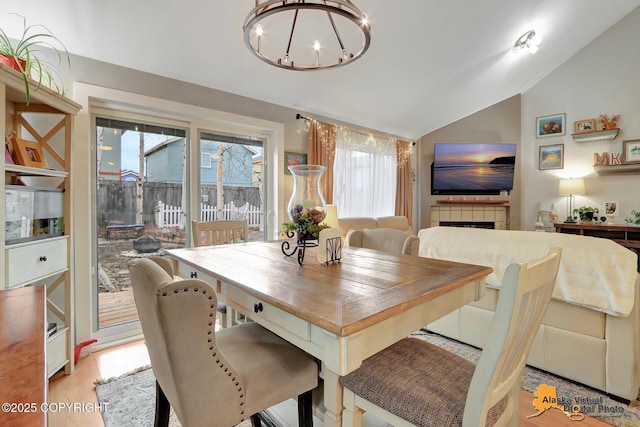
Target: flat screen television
{"points": [[472, 168]]}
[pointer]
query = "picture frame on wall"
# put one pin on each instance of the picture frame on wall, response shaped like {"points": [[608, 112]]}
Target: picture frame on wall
{"points": [[549, 126], [631, 151], [29, 153], [551, 157], [584, 126], [293, 159], [611, 208]]}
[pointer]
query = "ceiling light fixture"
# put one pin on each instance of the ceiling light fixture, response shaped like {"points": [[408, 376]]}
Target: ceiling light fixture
{"points": [[529, 41], [307, 35]]}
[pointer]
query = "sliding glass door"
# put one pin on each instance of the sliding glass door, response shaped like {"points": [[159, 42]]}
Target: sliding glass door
{"points": [[140, 205], [231, 180]]}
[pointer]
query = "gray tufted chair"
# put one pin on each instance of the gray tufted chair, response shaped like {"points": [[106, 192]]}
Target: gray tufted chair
{"points": [[384, 239], [213, 378]]}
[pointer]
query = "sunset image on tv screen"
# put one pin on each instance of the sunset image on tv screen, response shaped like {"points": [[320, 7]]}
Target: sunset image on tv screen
{"points": [[473, 167]]}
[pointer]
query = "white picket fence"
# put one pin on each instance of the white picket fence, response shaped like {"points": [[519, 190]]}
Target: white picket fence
{"points": [[172, 216]]}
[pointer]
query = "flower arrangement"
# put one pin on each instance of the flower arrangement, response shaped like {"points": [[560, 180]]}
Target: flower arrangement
{"points": [[634, 219], [609, 122], [307, 222]]}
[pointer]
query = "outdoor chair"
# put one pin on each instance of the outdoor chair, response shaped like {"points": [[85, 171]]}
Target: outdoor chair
{"points": [[414, 382], [212, 233], [213, 378]]}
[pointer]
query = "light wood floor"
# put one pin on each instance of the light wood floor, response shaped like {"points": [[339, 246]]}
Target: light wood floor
{"points": [[116, 307], [79, 388]]}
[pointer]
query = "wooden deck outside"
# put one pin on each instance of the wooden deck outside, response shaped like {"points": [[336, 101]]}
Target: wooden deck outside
{"points": [[116, 307]]}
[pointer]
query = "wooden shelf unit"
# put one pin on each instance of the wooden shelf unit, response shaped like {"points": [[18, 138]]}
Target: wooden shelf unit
{"points": [[600, 135], [47, 120], [618, 169]]}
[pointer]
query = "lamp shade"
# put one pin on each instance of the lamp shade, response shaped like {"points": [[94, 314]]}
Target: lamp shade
{"points": [[571, 186], [332, 216]]}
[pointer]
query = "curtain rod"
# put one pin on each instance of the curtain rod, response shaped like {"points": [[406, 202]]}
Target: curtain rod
{"points": [[300, 116]]}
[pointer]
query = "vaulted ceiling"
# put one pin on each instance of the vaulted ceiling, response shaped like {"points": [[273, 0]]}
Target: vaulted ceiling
{"points": [[430, 63]]}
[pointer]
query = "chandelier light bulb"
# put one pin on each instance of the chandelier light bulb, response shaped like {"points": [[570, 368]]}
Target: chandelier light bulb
{"points": [[316, 45], [259, 30]]}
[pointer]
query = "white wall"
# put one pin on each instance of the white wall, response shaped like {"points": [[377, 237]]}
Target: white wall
{"points": [[498, 123], [604, 77]]}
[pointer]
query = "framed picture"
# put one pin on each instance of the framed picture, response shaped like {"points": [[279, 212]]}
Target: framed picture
{"points": [[551, 157], [29, 153], [293, 159], [611, 208], [584, 126], [631, 151], [553, 125]]}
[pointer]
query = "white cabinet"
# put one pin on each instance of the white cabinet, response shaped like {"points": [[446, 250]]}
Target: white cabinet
{"points": [[36, 201]]}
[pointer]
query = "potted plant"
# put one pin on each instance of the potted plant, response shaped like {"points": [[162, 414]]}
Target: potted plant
{"points": [[634, 219], [586, 213], [27, 57], [609, 122]]}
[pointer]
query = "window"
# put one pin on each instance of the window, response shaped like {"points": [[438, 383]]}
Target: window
{"points": [[205, 160], [365, 174]]}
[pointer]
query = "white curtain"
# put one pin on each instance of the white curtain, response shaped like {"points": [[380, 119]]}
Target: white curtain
{"points": [[364, 174]]}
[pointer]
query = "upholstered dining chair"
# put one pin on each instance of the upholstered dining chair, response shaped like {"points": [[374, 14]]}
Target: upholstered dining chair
{"points": [[414, 382], [209, 233], [384, 239], [213, 378]]}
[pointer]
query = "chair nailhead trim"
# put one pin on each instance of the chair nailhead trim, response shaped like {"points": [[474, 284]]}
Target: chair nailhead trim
{"points": [[211, 347]]}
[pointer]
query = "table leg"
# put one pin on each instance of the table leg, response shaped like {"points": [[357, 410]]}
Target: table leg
{"points": [[332, 398]]}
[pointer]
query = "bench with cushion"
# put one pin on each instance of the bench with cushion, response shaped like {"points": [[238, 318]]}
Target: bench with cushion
{"points": [[122, 222]]}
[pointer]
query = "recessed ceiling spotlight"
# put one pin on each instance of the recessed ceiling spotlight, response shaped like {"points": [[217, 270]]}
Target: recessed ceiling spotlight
{"points": [[528, 41]]}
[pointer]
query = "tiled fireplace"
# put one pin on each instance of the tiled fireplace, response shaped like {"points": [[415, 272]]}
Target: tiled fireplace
{"points": [[471, 215]]}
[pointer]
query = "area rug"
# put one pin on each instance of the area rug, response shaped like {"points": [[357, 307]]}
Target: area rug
{"points": [[130, 398]]}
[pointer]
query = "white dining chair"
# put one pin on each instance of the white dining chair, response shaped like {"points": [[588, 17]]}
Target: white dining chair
{"points": [[417, 383]]}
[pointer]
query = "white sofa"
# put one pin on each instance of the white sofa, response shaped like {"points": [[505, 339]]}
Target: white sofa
{"points": [[591, 331]]}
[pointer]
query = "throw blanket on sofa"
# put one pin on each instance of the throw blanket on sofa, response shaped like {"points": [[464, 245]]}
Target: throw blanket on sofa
{"points": [[594, 272]]}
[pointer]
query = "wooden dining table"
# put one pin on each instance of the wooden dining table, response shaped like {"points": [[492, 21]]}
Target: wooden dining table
{"points": [[341, 313]]}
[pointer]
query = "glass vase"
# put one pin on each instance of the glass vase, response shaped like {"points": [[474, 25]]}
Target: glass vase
{"points": [[307, 200]]}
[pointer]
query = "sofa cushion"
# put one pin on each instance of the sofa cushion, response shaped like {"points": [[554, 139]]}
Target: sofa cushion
{"points": [[355, 223], [397, 222]]}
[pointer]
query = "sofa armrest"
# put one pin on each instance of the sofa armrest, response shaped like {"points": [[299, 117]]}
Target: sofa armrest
{"points": [[354, 238], [411, 246]]}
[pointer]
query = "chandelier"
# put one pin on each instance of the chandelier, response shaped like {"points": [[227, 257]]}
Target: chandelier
{"points": [[307, 34]]}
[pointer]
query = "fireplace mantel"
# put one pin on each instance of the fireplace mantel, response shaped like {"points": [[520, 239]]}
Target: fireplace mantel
{"points": [[471, 214]]}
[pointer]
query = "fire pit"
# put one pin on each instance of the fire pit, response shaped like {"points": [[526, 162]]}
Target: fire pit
{"points": [[147, 244]]}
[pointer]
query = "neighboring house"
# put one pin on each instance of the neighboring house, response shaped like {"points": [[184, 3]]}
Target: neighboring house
{"points": [[128, 175], [236, 168]]}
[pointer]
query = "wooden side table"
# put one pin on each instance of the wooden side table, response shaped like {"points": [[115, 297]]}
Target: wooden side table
{"points": [[23, 372]]}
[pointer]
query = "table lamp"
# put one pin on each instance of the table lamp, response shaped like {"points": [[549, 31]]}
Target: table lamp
{"points": [[332, 216], [571, 187]]}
